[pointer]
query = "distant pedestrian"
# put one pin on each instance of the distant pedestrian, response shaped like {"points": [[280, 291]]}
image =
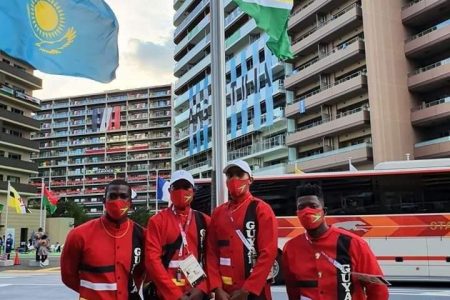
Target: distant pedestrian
{"points": [[9, 244], [43, 250], [37, 237]]}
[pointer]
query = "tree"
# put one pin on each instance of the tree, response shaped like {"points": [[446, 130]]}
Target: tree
{"points": [[141, 215], [72, 210]]}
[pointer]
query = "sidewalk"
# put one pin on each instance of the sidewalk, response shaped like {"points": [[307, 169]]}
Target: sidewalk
{"points": [[25, 258]]}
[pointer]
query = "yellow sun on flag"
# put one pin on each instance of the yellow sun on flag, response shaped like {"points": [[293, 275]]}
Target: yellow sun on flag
{"points": [[47, 18]]}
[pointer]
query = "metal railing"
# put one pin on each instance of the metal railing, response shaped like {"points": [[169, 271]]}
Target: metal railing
{"points": [[430, 67], [332, 51], [191, 16], [429, 30], [432, 103], [338, 116], [411, 4], [331, 85], [304, 7], [333, 17], [334, 152], [267, 144]]}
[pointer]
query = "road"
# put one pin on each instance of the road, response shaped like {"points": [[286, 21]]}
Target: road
{"points": [[46, 284]]}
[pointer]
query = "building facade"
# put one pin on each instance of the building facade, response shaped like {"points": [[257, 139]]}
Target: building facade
{"points": [[87, 141], [370, 82], [255, 95], [17, 107]]}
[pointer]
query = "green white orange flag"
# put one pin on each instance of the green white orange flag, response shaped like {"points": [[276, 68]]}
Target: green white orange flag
{"points": [[272, 17], [50, 200]]}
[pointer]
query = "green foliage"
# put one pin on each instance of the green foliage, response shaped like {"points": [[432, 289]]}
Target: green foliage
{"points": [[141, 215], [72, 210]]}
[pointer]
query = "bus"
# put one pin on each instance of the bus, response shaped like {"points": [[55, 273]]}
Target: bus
{"points": [[402, 209]]}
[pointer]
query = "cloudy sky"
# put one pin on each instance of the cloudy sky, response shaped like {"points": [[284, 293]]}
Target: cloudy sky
{"points": [[145, 50]]}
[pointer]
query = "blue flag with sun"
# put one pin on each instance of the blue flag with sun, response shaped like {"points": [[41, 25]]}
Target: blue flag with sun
{"points": [[65, 37]]}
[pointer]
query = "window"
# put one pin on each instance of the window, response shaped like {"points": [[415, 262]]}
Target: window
{"points": [[3, 106], [15, 156], [17, 111], [13, 179]]}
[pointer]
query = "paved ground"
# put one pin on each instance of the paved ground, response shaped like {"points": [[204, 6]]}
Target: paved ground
{"points": [[46, 284]]}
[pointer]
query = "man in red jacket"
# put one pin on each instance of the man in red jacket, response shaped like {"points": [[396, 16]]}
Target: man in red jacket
{"points": [[102, 258], [326, 262], [173, 235], [242, 241]]}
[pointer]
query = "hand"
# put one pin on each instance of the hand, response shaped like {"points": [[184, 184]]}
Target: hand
{"points": [[195, 294], [240, 294], [220, 294]]}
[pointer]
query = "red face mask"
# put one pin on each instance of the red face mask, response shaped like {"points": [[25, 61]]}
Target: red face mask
{"points": [[238, 187], [181, 198], [311, 218], [117, 209]]}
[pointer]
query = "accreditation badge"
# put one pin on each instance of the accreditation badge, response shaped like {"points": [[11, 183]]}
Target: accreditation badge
{"points": [[192, 270]]}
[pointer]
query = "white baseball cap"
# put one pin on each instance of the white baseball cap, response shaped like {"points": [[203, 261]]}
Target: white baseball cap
{"points": [[182, 174], [241, 164]]}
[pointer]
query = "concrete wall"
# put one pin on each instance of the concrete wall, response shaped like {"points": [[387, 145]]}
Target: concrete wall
{"points": [[58, 228]]}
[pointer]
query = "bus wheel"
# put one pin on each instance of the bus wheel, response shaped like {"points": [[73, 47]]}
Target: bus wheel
{"points": [[277, 271]]}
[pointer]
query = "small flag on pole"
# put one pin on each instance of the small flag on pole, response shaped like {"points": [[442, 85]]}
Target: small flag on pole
{"points": [[162, 190], [272, 17], [15, 201], [50, 200]]}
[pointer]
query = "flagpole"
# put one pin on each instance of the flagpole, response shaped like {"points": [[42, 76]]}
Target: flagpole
{"points": [[156, 179], [7, 207], [219, 107], [42, 202]]}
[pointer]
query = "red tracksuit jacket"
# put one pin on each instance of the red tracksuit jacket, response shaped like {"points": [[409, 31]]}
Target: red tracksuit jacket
{"points": [[227, 256], [97, 265], [163, 229], [310, 274]]}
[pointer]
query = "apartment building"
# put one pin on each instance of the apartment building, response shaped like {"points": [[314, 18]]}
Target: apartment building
{"points": [[255, 94], [370, 82], [17, 107], [87, 141]]}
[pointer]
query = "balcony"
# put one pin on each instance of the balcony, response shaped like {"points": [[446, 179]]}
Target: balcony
{"points": [[278, 169], [278, 117], [18, 142], [308, 13], [18, 165], [21, 188], [436, 148], [234, 40], [430, 77], [332, 61], [190, 38], [432, 112], [335, 158], [19, 120], [329, 30], [20, 75], [419, 12], [347, 121], [260, 149], [346, 87], [195, 53], [192, 15], [24, 99], [181, 11], [200, 66], [429, 42]]}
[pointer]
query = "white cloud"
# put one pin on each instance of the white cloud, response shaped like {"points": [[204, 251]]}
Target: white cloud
{"points": [[145, 51]]}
